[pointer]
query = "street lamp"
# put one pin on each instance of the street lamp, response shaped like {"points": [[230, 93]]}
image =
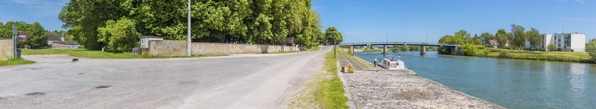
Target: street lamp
{"points": [[334, 46]]}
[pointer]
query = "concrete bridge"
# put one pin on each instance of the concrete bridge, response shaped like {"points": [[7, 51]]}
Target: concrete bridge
{"points": [[454, 47]]}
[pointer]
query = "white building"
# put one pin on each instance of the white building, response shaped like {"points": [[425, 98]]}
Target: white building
{"points": [[564, 41], [144, 41]]}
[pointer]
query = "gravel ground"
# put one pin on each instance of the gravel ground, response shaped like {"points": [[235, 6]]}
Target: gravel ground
{"points": [[238, 82], [404, 89]]}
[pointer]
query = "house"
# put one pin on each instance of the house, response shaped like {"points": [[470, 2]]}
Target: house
{"points": [[144, 41], [563, 41], [496, 44], [52, 38]]}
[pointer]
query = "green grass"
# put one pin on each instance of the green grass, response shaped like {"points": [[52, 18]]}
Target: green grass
{"points": [[331, 92], [84, 53], [565, 56], [15, 61], [370, 50]]}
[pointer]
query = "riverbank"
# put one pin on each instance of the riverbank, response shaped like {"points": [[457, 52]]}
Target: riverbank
{"points": [[378, 88], [564, 56]]}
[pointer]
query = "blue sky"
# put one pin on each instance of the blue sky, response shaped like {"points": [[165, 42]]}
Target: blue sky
{"points": [[402, 20], [410, 20]]}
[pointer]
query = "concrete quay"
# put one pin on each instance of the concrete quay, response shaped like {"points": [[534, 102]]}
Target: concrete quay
{"points": [[383, 89]]}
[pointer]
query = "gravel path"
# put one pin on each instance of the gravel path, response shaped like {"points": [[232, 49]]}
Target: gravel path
{"points": [[404, 89], [238, 82]]}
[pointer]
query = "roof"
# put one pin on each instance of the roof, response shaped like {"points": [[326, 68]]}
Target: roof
{"points": [[151, 37], [53, 37], [494, 42]]}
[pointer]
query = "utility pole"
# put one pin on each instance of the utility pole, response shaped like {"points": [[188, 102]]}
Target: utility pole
{"points": [[14, 42], [334, 46], [188, 31]]}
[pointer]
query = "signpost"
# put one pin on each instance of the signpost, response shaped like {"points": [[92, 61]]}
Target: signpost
{"points": [[14, 42]]}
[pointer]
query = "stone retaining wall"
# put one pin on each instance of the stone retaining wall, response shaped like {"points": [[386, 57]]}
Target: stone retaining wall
{"points": [[5, 49], [178, 48]]}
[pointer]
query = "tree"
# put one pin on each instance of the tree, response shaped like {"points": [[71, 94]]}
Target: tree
{"points": [[551, 47], [519, 35], [329, 34], [591, 49], [534, 37], [501, 37], [462, 35], [487, 37], [469, 49], [120, 36], [36, 34]]}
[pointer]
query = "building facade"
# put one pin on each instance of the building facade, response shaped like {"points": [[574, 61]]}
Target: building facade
{"points": [[563, 41]]}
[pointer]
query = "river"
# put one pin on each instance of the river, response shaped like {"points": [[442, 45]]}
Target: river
{"points": [[519, 84]]}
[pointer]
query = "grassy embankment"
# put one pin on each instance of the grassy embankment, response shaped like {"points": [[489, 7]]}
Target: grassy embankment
{"points": [[15, 61], [84, 53], [330, 94], [564, 56]]}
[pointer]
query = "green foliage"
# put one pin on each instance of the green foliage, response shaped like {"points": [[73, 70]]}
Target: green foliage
{"points": [[591, 49], [469, 49], [36, 34], [120, 36], [485, 53], [487, 36], [329, 35], [501, 37], [519, 35], [444, 50], [551, 47], [241, 21], [534, 37], [504, 54]]}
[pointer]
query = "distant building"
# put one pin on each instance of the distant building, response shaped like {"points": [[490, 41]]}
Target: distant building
{"points": [[564, 41], [52, 38], [144, 41], [496, 44]]}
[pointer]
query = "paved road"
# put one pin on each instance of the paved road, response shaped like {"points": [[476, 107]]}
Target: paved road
{"points": [[238, 81]]}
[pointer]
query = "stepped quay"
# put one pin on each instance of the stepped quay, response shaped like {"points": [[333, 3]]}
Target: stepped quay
{"points": [[374, 87]]}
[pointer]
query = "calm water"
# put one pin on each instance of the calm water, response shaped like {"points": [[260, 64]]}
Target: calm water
{"points": [[520, 84]]}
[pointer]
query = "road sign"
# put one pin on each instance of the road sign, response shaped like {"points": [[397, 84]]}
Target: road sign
{"points": [[22, 36], [441, 45], [405, 44]]}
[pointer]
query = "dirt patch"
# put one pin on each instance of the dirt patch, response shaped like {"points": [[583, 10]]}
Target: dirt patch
{"points": [[35, 93], [104, 86]]}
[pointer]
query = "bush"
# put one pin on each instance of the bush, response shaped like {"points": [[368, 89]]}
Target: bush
{"points": [[571, 50], [480, 47], [551, 47], [591, 49], [494, 50], [504, 54], [559, 49], [486, 53], [469, 49], [120, 36], [444, 50]]}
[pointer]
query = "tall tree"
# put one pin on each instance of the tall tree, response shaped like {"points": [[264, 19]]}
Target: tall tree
{"points": [[330, 34], [519, 35], [534, 37], [501, 36], [591, 49], [486, 36]]}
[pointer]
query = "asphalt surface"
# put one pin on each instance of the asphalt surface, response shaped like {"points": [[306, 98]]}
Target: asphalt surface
{"points": [[238, 81]]}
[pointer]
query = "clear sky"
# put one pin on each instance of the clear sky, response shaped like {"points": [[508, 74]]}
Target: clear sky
{"points": [[402, 20], [410, 20]]}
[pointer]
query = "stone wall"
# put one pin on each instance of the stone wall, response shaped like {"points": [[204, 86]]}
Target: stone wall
{"points": [[178, 48], [5, 49]]}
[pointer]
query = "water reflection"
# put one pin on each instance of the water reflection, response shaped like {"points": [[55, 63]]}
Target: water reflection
{"points": [[508, 82]]}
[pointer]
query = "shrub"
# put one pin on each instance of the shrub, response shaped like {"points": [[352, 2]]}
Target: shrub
{"points": [[571, 50], [559, 49], [469, 49], [591, 49], [551, 47], [504, 54], [494, 50], [119, 36], [486, 53], [444, 50], [480, 47]]}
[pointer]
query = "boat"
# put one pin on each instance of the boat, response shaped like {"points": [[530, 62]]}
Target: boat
{"points": [[392, 64]]}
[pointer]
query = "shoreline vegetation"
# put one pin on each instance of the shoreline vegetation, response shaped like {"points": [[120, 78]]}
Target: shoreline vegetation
{"points": [[398, 48], [84, 53]]}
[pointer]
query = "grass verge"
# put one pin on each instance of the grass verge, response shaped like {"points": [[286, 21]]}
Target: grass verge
{"points": [[84, 53], [581, 57], [331, 92], [317, 48], [15, 61]]}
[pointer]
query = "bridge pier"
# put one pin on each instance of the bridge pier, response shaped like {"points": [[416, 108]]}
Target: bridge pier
{"points": [[352, 49], [454, 50], [384, 49], [423, 50]]}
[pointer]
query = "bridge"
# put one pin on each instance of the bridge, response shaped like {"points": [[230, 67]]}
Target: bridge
{"points": [[454, 47]]}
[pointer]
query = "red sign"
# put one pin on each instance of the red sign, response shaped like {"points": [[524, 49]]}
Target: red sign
{"points": [[405, 44], [441, 45], [22, 36]]}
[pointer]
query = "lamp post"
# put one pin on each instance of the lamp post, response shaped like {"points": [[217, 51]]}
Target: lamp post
{"points": [[188, 52], [334, 46]]}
